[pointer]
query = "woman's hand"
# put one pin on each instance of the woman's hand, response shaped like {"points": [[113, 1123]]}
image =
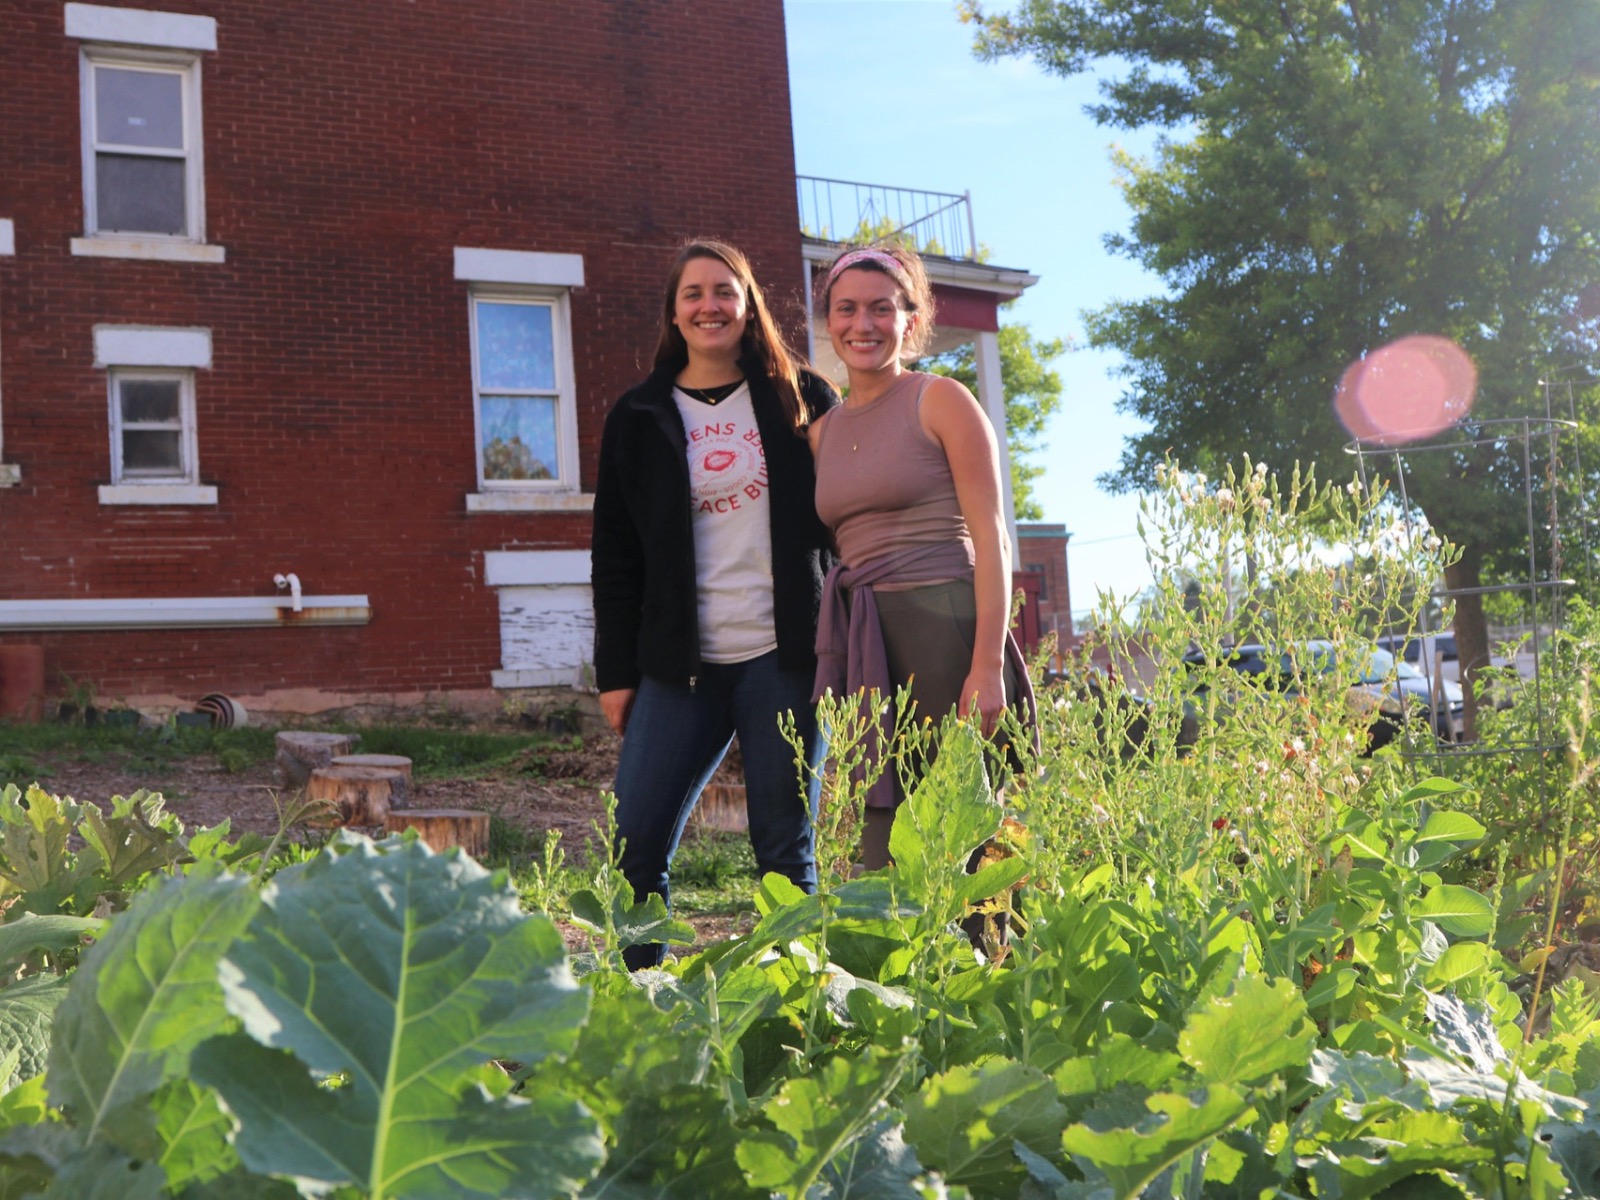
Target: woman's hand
{"points": [[983, 694], [616, 706]]}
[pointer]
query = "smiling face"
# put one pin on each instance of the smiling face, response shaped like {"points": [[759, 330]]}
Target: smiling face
{"points": [[710, 308], [867, 320]]}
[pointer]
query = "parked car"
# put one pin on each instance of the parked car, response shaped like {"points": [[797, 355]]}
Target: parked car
{"points": [[1419, 649], [1390, 692]]}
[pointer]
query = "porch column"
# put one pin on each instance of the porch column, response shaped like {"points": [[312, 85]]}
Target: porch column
{"points": [[992, 395], [10, 475]]}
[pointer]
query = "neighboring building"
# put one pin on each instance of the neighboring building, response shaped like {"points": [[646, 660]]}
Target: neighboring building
{"points": [[310, 315], [1042, 554]]}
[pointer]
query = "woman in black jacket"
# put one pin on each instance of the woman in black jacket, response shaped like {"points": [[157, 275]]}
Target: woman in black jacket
{"points": [[707, 573]]}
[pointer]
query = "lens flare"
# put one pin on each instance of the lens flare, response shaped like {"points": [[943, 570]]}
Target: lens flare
{"points": [[1410, 389]]}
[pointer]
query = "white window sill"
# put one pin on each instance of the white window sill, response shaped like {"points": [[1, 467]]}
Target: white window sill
{"points": [[158, 493], [152, 248], [478, 502], [10, 475]]}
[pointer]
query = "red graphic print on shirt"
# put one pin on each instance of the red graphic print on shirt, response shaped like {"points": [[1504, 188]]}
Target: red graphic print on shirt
{"points": [[727, 466]]}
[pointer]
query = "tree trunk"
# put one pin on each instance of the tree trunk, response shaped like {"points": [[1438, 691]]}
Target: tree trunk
{"points": [[443, 828], [300, 752], [362, 795], [1472, 631]]}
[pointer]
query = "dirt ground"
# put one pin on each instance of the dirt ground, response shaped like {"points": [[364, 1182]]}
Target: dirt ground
{"points": [[562, 792]]}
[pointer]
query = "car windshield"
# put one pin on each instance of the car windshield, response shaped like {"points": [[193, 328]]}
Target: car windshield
{"points": [[1381, 664]]}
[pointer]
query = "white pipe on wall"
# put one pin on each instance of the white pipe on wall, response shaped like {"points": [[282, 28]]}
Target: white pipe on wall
{"points": [[186, 612]]}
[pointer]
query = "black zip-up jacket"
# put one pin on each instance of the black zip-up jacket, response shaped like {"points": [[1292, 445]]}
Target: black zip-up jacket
{"points": [[646, 613]]}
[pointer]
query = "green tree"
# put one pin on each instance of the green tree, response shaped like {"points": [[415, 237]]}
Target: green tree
{"points": [[1032, 392], [1334, 175]]}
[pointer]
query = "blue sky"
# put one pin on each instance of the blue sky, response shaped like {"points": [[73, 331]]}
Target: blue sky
{"points": [[888, 92]]}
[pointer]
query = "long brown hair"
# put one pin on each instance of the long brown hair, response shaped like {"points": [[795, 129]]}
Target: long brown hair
{"points": [[762, 342]]}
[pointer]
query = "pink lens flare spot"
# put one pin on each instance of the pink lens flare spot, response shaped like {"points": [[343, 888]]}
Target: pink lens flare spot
{"points": [[1410, 389]]}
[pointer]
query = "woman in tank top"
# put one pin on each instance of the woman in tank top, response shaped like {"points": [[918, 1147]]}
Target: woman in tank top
{"points": [[707, 569], [908, 478]]}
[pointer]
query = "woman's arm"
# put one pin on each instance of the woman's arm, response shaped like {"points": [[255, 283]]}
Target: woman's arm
{"points": [[952, 416], [617, 578]]}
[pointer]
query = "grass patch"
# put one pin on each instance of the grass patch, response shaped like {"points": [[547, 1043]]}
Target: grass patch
{"points": [[438, 753], [714, 873]]}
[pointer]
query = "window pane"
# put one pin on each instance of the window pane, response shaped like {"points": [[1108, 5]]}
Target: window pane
{"points": [[519, 437], [149, 399], [138, 108], [151, 452], [516, 346], [139, 195]]}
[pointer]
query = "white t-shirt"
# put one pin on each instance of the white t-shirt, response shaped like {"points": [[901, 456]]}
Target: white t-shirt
{"points": [[732, 531]]}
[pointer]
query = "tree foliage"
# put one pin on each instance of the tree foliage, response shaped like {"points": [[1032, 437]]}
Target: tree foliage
{"points": [[1333, 176]]}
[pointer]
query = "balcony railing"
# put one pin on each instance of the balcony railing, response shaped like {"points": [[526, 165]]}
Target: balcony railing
{"points": [[837, 210]]}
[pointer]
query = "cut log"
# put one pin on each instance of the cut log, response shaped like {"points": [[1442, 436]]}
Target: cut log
{"points": [[382, 762], [722, 806], [442, 828], [300, 752], [362, 795]]}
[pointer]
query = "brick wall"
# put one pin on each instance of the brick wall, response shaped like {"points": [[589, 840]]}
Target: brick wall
{"points": [[348, 148], [1042, 551]]}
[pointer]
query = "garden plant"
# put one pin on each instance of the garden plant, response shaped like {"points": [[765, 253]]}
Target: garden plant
{"points": [[1255, 961]]}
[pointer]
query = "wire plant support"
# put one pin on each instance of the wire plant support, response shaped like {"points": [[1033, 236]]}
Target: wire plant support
{"points": [[1535, 445]]}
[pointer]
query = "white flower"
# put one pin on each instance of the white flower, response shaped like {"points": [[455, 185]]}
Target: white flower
{"points": [[1225, 499], [1100, 815], [1432, 542], [1261, 469], [1299, 745], [1200, 478], [1264, 503], [1353, 487]]}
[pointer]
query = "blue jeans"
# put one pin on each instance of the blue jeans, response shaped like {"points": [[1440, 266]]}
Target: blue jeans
{"points": [[674, 741]]}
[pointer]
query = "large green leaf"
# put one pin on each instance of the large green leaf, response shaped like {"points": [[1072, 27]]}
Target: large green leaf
{"points": [[1131, 1156], [145, 995], [1259, 1029], [1458, 910], [678, 1143], [950, 814], [876, 1166], [34, 861], [31, 932], [137, 838], [816, 1118], [397, 973], [1410, 1148], [964, 1122], [26, 1008]]}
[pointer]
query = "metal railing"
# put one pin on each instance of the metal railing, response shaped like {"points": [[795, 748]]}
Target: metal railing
{"points": [[839, 210]]}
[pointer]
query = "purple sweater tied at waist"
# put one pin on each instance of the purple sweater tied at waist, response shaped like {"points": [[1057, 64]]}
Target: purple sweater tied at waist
{"points": [[851, 656]]}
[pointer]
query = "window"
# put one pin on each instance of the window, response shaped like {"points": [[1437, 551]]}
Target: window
{"points": [[140, 160], [519, 397], [150, 376], [524, 399], [143, 178], [152, 426]]}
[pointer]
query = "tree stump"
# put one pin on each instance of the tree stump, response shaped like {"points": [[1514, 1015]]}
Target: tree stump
{"points": [[299, 753], [722, 806], [382, 762], [443, 828], [362, 795]]}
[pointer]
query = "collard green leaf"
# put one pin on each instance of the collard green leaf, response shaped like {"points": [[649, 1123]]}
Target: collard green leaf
{"points": [[33, 931], [137, 838], [194, 1134], [816, 1118], [1131, 1156], [26, 1009], [1365, 1080], [1458, 910], [950, 814], [34, 862], [1466, 1030], [100, 1171], [876, 1166], [145, 995], [1410, 1148], [1258, 1030], [963, 1123], [399, 972], [679, 1143], [635, 923]]}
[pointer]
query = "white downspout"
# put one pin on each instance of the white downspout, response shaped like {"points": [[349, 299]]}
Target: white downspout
{"points": [[292, 582]]}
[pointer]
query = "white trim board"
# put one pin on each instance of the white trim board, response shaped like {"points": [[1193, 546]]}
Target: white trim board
{"points": [[140, 27], [526, 267], [525, 568], [151, 346], [184, 612]]}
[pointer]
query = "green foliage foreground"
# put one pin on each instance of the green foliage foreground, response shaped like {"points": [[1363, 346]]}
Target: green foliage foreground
{"points": [[383, 1022]]}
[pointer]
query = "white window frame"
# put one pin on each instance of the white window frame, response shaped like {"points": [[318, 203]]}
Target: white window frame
{"points": [[187, 474], [136, 39], [546, 280], [139, 352]]}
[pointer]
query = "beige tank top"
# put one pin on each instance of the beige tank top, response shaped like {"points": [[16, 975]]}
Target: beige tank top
{"points": [[882, 483]]}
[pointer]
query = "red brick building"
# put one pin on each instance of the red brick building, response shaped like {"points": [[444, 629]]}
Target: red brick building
{"points": [[1042, 554], [310, 315]]}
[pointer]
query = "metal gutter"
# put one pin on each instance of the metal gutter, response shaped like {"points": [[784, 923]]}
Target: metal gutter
{"points": [[188, 612]]}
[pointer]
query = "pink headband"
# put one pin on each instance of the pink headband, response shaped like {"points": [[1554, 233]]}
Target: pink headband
{"points": [[855, 258]]}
